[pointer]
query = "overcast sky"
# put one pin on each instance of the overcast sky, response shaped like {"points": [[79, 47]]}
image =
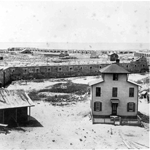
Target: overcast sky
{"points": [[75, 22]]}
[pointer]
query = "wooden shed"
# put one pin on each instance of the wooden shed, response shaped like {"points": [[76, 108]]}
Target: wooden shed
{"points": [[15, 107]]}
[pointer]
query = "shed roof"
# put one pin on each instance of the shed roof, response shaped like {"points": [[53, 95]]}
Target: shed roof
{"points": [[132, 82], [25, 51], [114, 68], [96, 82], [14, 99]]}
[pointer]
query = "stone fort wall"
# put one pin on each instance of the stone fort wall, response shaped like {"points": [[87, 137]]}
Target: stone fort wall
{"points": [[10, 74]]}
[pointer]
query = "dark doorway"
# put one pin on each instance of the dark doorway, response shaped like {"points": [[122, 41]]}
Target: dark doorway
{"points": [[114, 108]]}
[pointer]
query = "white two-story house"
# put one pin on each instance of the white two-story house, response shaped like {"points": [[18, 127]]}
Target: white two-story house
{"points": [[113, 95]]}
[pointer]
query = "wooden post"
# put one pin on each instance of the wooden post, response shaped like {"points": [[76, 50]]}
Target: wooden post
{"points": [[29, 114], [16, 114], [3, 116]]}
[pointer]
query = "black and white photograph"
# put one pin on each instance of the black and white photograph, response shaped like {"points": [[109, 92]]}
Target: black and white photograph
{"points": [[74, 74]]}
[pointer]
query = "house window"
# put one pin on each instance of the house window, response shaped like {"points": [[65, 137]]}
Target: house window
{"points": [[114, 92], [97, 106], [98, 91], [131, 107], [131, 92], [115, 76]]}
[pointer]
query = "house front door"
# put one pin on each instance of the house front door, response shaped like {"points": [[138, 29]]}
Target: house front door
{"points": [[114, 109]]}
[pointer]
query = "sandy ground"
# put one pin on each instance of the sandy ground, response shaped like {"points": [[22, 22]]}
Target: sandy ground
{"points": [[144, 106], [30, 85], [82, 80], [70, 127]]}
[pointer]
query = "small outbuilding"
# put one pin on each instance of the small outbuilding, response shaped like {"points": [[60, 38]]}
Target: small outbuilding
{"points": [[113, 57], [63, 54], [15, 107], [26, 51], [143, 94]]}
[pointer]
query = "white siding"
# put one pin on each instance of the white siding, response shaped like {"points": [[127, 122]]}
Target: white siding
{"points": [[123, 95]]}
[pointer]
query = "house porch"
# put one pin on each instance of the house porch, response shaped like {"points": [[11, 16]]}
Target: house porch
{"points": [[116, 120]]}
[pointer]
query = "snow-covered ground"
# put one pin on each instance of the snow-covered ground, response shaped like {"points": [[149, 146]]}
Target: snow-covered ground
{"points": [[70, 127]]}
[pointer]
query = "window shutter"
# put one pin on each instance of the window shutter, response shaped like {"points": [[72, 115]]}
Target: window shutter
{"points": [[100, 91], [127, 107], [133, 107], [100, 106], [94, 106]]}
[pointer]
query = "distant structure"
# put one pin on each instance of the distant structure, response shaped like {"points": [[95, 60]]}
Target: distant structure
{"points": [[145, 53], [94, 55], [77, 51], [113, 57], [114, 96], [26, 71], [14, 107], [63, 54], [26, 51]]}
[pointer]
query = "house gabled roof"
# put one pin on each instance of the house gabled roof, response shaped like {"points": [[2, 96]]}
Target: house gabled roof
{"points": [[114, 68], [14, 99], [96, 82]]}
